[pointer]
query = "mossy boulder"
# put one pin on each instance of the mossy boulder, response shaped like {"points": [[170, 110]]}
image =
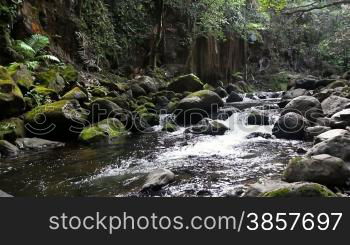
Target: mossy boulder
{"points": [[198, 105], [11, 129], [107, 131], [63, 119], [21, 75], [148, 84], [323, 169], [171, 107], [304, 190], [102, 108], [275, 188], [99, 91], [69, 73], [137, 90], [75, 94], [51, 79], [208, 87], [43, 95], [190, 83], [11, 98]]}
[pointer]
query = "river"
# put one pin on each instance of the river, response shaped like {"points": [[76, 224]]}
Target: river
{"points": [[204, 165]]}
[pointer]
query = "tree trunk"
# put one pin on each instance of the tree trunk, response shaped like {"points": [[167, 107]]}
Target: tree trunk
{"points": [[159, 4]]}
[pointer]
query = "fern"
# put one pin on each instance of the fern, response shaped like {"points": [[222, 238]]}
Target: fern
{"points": [[33, 51], [48, 57], [24, 49], [38, 42]]}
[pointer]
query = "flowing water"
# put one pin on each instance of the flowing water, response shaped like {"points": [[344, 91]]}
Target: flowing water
{"points": [[204, 165]]}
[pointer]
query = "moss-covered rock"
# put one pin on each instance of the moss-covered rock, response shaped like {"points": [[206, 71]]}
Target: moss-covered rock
{"points": [[190, 83], [198, 105], [11, 97], [274, 188], [51, 79], [21, 75], [44, 95], [69, 73], [305, 190], [103, 108], [75, 94], [59, 120], [323, 169], [208, 87], [107, 131], [171, 107], [11, 129], [99, 91]]}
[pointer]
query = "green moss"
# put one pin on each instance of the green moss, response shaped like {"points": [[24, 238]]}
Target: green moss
{"points": [[141, 109], [282, 192], [75, 93], [12, 128], [200, 94], [208, 87], [51, 79], [106, 131], [295, 160], [306, 190], [69, 73], [99, 91], [11, 97], [44, 109]]}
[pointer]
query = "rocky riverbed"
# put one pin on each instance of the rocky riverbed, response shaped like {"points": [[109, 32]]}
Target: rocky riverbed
{"points": [[70, 134]]}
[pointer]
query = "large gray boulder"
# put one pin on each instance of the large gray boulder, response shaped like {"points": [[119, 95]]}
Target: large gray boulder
{"points": [[316, 131], [334, 104], [323, 169], [338, 146], [294, 93], [290, 126], [196, 106], [7, 149], [277, 188], [190, 83], [330, 134], [307, 106], [343, 115], [158, 179], [37, 144]]}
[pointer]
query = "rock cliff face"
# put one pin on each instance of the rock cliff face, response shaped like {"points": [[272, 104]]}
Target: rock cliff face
{"points": [[88, 33]]}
